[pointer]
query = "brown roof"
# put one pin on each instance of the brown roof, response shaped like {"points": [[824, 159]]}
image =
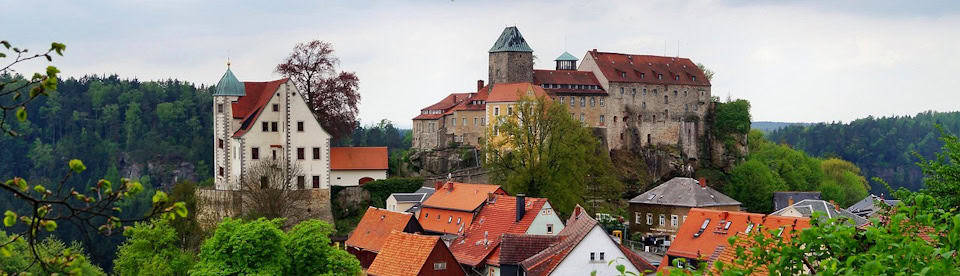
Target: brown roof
{"points": [[512, 92], [406, 254], [568, 77], [494, 219], [461, 196], [514, 248], [375, 226], [444, 105], [358, 158], [617, 67], [249, 107]]}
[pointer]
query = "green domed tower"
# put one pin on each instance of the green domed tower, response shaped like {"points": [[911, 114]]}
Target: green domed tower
{"points": [[228, 91], [229, 85]]}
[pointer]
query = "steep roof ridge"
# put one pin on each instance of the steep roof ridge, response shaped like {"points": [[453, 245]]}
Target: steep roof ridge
{"points": [[494, 219], [375, 226], [251, 108]]}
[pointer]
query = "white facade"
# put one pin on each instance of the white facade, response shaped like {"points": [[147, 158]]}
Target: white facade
{"points": [[352, 177], [546, 223], [598, 243], [395, 206], [275, 134]]}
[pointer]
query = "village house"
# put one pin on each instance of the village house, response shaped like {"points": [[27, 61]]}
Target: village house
{"points": [[784, 199], [404, 254], [478, 248], [374, 228], [409, 202], [871, 205], [705, 234], [633, 100], [659, 212], [453, 206], [829, 209], [354, 166], [581, 248]]}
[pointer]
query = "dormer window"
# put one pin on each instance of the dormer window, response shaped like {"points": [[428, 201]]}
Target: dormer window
{"points": [[677, 77], [659, 76], [702, 228], [642, 75], [694, 78], [623, 75]]}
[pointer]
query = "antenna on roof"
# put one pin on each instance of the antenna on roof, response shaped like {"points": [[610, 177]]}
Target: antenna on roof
{"points": [[664, 47], [678, 48]]}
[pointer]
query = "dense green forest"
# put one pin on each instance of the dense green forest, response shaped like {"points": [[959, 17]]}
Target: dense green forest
{"points": [[882, 147]]}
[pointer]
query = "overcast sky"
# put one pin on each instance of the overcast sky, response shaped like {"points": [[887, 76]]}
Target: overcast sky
{"points": [[795, 61]]}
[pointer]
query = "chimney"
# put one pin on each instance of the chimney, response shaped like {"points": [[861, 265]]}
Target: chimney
{"points": [[790, 201], [703, 182], [576, 212], [450, 185], [521, 206], [479, 85], [438, 185]]}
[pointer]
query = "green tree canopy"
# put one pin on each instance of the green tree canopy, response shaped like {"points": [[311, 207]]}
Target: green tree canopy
{"points": [[152, 249]]}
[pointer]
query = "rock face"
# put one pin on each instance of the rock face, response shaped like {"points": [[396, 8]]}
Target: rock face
{"points": [[443, 161], [162, 172], [214, 205], [352, 200]]}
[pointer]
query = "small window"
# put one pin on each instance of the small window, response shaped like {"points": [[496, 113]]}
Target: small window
{"points": [[475, 120], [623, 75], [300, 126], [440, 266], [642, 75], [677, 77], [659, 76], [496, 111], [583, 101], [572, 100], [561, 99], [301, 182], [649, 219], [644, 91], [219, 108], [601, 120], [694, 78], [316, 153], [265, 126], [276, 107], [601, 101], [458, 221], [727, 226], [316, 182], [549, 228], [450, 219], [780, 231], [300, 154], [220, 171], [509, 110], [255, 153], [219, 143], [636, 217], [749, 227], [593, 256], [426, 215], [593, 101], [674, 221], [273, 126], [601, 256], [621, 91], [663, 220], [581, 117]]}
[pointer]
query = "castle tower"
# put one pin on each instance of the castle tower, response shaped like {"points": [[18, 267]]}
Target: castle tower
{"points": [[229, 90], [511, 59], [566, 61]]}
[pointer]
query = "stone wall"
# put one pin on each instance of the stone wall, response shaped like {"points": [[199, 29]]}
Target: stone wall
{"points": [[508, 67], [647, 114], [215, 205], [476, 175]]}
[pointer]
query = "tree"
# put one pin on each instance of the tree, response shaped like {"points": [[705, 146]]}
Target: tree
{"points": [[753, 183], [331, 94], [152, 249], [842, 182], [731, 119], [18, 258], [539, 150], [942, 174], [310, 252], [272, 188], [706, 71]]}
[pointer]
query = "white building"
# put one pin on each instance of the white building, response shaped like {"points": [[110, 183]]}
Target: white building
{"points": [[256, 121], [354, 166]]}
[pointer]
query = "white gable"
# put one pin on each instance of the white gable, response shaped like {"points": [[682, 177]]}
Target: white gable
{"points": [[596, 242]]}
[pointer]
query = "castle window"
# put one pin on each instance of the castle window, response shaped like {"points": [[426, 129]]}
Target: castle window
{"points": [[665, 99], [686, 107], [623, 75], [581, 117], [659, 76], [220, 171], [694, 78], [509, 110], [561, 99], [464, 122], [316, 153], [593, 101], [601, 120], [614, 120], [643, 105], [572, 100], [300, 154], [496, 111], [621, 91], [300, 126], [255, 153], [677, 77], [276, 107], [621, 136], [219, 143], [642, 75], [316, 182], [219, 108], [634, 93], [453, 121], [265, 126], [583, 101], [644, 91], [273, 126], [475, 120], [301, 182], [684, 93], [601, 101], [674, 93]]}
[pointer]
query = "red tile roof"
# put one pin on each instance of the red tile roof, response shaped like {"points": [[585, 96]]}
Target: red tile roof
{"points": [[498, 217], [461, 196], [729, 256], [568, 77], [358, 158], [445, 221], [611, 65], [512, 92], [443, 105], [248, 107], [514, 248], [714, 235], [406, 254], [375, 226]]}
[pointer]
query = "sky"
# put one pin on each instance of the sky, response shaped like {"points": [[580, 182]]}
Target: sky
{"points": [[795, 61]]}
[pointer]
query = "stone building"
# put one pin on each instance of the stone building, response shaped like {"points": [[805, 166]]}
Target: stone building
{"points": [[633, 100], [659, 212]]}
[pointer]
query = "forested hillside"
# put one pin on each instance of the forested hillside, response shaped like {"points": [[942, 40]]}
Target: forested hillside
{"points": [[881, 147]]}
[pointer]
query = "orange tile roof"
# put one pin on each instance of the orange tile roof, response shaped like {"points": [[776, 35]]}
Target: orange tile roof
{"points": [[405, 254], [444, 221], [461, 196], [375, 226], [480, 240], [249, 107], [358, 158], [729, 256], [512, 92], [714, 235]]}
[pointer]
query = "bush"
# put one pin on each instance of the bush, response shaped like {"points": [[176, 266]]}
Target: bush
{"points": [[152, 249]]}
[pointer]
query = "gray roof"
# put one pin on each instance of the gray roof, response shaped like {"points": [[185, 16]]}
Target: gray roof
{"points": [[782, 199], [808, 206], [408, 197], [511, 41], [686, 192], [427, 192], [867, 207]]}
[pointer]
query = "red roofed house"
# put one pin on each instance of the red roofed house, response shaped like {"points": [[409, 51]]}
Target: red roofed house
{"points": [[352, 166], [705, 234], [581, 248], [376, 225], [404, 254], [478, 248], [256, 121], [453, 206]]}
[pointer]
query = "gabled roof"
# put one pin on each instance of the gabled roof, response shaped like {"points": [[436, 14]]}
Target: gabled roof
{"points": [[461, 196], [569, 77], [249, 107], [685, 192], [229, 85], [692, 242], [870, 205], [782, 199], [611, 65], [427, 192], [808, 206], [406, 254], [444, 105], [577, 227], [494, 219], [358, 158], [375, 226], [444, 221], [566, 56], [514, 248], [510, 41], [512, 92]]}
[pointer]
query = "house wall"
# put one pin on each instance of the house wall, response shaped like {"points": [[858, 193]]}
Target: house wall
{"points": [[366, 257], [508, 67], [578, 261], [441, 254], [352, 177], [427, 133], [545, 216], [469, 133], [592, 108], [638, 223], [393, 205]]}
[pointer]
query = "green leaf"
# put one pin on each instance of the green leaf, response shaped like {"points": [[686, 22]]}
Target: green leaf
{"points": [[58, 47], [50, 225], [5, 252], [2, 55], [52, 71], [5, 44], [22, 113], [77, 166], [9, 218], [40, 189], [621, 268], [134, 187], [159, 197], [180, 208]]}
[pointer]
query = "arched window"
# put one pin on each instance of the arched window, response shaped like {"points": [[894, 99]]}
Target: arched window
{"points": [[364, 180]]}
